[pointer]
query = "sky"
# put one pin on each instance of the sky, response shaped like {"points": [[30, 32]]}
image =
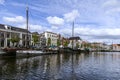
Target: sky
{"points": [[94, 20]]}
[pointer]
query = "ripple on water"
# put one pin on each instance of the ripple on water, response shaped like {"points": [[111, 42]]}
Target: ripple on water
{"points": [[94, 66]]}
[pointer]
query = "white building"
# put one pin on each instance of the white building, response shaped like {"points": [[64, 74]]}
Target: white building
{"points": [[100, 46], [76, 41], [7, 32], [52, 36], [116, 47]]}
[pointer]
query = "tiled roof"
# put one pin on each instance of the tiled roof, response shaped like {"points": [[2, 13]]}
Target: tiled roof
{"points": [[115, 44], [118, 44], [74, 38]]}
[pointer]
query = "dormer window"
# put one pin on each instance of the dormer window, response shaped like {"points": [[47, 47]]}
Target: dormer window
{"points": [[6, 27]]}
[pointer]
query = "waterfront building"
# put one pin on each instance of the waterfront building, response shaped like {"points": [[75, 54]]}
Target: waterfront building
{"points": [[38, 40], [100, 46], [84, 44], [107, 47], [116, 47], [74, 42], [8, 32], [42, 41], [52, 36], [64, 42], [35, 39]]}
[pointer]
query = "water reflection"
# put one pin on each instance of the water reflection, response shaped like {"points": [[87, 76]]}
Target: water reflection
{"points": [[93, 66]]}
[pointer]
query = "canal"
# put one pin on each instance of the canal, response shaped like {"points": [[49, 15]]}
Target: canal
{"points": [[93, 66]]}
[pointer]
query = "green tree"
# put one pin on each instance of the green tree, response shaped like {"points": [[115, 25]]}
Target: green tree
{"points": [[58, 42], [49, 42], [65, 44], [88, 45], [14, 40], [77, 45], [82, 45], [35, 38]]}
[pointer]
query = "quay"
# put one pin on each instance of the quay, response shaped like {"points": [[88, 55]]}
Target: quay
{"points": [[22, 52], [16, 52]]}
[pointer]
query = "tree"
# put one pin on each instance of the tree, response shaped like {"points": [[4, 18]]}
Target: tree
{"points": [[49, 42], [35, 38], [65, 44], [14, 40], [58, 42], [77, 45], [88, 45], [82, 45]]}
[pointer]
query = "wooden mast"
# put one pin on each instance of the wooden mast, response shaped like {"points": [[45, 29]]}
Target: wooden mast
{"points": [[72, 34], [27, 26]]}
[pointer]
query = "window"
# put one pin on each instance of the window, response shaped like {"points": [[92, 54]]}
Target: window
{"points": [[2, 34], [8, 35], [2, 42]]}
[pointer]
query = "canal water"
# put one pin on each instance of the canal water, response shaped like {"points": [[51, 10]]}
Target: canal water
{"points": [[92, 66]]}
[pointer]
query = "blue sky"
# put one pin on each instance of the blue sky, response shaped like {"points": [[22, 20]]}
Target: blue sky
{"points": [[95, 20]]}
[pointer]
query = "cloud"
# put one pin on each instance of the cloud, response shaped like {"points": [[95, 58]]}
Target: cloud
{"points": [[111, 6], [16, 19], [55, 21], [34, 27], [54, 27], [97, 32], [2, 2], [90, 34], [71, 16], [114, 10], [17, 4], [111, 3], [93, 20], [39, 28]]}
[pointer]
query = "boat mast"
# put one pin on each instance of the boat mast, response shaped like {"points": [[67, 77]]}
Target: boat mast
{"points": [[27, 25], [72, 33]]}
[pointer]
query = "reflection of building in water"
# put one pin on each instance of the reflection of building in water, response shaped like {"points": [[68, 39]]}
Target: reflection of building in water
{"points": [[46, 66]]}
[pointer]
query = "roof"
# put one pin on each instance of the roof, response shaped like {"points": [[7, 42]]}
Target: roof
{"points": [[116, 44], [51, 32], [99, 43], [35, 33], [74, 38], [2, 26], [19, 29], [84, 42]]}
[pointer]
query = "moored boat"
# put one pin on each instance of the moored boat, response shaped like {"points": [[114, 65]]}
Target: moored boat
{"points": [[29, 51]]}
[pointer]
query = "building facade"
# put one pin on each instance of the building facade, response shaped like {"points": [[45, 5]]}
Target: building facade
{"points": [[100, 46], [41, 40], [116, 47], [8, 32], [74, 42], [52, 36]]}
